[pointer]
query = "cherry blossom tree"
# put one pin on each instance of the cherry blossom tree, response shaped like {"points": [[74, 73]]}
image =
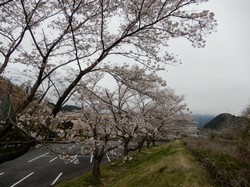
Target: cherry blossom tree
{"points": [[12, 31], [151, 100], [130, 81], [139, 105], [161, 110], [170, 116], [137, 109], [66, 33], [98, 130], [64, 41], [5, 2]]}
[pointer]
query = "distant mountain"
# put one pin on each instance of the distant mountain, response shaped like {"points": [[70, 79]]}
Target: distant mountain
{"points": [[223, 121], [202, 119], [70, 108]]}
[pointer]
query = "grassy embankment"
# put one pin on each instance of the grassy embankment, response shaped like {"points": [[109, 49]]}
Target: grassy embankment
{"points": [[225, 152], [227, 161], [167, 165]]}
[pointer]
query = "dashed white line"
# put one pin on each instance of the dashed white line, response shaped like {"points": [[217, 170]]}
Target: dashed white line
{"points": [[2, 173], [56, 179], [91, 159], [38, 157], [72, 147], [53, 159], [22, 179], [108, 157]]}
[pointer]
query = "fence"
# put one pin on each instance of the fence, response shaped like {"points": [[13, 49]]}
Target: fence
{"points": [[5, 110]]}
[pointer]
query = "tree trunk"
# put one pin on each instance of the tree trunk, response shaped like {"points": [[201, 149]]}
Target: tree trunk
{"points": [[148, 143], [96, 168], [97, 158], [140, 145], [125, 150]]}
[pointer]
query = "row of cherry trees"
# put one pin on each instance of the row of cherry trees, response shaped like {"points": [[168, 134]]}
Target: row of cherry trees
{"points": [[139, 108], [64, 44]]}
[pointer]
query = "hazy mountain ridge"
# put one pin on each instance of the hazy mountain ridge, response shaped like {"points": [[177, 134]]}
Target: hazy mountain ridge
{"points": [[224, 120], [202, 119], [70, 108]]}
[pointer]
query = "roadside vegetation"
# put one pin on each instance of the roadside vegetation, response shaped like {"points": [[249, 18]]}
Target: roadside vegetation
{"points": [[225, 154], [225, 168], [166, 165]]}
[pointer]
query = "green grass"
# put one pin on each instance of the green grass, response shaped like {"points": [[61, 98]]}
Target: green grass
{"points": [[166, 165], [86, 179], [224, 166]]}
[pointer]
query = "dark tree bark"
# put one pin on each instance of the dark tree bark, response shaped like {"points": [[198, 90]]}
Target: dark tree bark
{"points": [[97, 158], [140, 144], [148, 143], [153, 141], [125, 147]]}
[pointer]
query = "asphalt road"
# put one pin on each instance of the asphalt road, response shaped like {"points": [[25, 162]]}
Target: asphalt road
{"points": [[39, 168]]}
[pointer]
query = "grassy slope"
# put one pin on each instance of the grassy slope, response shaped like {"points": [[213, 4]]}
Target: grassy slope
{"points": [[226, 162], [167, 165]]}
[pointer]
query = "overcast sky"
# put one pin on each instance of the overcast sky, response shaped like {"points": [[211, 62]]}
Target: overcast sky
{"points": [[216, 79]]}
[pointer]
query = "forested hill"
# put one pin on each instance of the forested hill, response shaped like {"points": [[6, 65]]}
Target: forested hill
{"points": [[70, 108], [224, 120]]}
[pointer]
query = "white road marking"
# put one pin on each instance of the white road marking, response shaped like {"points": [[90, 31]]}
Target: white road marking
{"points": [[82, 156], [2, 173], [108, 157], [53, 159], [38, 157], [56, 179], [72, 147], [91, 158], [22, 179]]}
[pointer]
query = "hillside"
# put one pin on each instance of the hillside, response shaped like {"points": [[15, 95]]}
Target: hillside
{"points": [[223, 121], [10, 97], [70, 108], [10, 94]]}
